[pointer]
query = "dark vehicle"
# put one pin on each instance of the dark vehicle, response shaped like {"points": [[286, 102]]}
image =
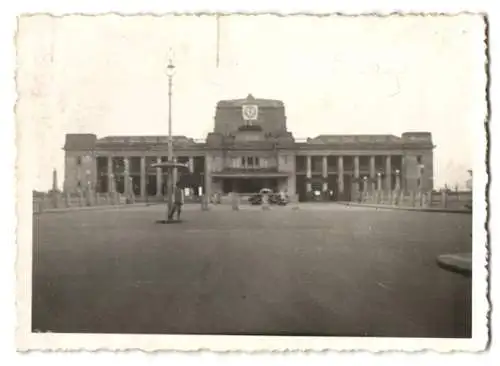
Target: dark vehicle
{"points": [[274, 198]]}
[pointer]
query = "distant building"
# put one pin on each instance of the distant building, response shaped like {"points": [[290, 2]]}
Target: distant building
{"points": [[250, 148], [468, 183]]}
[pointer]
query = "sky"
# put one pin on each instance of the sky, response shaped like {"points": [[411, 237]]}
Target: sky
{"points": [[336, 75]]}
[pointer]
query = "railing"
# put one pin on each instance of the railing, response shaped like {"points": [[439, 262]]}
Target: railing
{"points": [[84, 199], [446, 200]]}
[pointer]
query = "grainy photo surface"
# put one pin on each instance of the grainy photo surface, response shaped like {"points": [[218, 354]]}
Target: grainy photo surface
{"points": [[296, 181]]}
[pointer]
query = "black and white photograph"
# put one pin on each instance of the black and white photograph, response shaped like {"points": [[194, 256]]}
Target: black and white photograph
{"points": [[252, 182]]}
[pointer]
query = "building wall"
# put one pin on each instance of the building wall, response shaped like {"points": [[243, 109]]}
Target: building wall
{"points": [[286, 163], [413, 157], [78, 161], [229, 119], [80, 169]]}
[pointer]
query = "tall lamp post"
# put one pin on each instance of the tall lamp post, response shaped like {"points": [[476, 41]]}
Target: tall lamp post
{"points": [[170, 182]]}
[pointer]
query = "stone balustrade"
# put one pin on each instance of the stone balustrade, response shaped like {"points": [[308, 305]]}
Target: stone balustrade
{"points": [[443, 199], [58, 200]]}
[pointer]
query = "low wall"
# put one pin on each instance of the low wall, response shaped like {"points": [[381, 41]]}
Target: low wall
{"points": [[60, 200], [447, 200]]}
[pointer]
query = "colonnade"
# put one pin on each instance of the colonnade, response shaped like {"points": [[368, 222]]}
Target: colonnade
{"points": [[143, 174], [375, 177]]}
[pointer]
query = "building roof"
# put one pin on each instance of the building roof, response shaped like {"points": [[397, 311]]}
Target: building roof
{"points": [[273, 103], [80, 141], [335, 139], [144, 139]]}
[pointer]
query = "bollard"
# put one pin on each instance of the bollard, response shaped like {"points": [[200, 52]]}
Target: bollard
{"points": [[295, 202], [444, 199], [204, 203], [234, 201], [265, 202], [424, 200], [89, 198]]}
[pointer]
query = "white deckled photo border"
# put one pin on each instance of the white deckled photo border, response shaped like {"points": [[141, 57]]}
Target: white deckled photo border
{"points": [[26, 340]]}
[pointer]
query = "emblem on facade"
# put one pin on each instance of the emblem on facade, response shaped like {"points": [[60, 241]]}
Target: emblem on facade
{"points": [[250, 112]]}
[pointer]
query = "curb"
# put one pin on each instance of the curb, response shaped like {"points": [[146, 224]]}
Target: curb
{"points": [[459, 263], [88, 208], [415, 209]]}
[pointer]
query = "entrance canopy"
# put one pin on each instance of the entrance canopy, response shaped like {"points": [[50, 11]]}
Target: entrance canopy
{"points": [[250, 174], [169, 165]]}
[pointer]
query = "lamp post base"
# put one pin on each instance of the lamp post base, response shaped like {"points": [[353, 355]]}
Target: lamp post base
{"points": [[168, 221]]}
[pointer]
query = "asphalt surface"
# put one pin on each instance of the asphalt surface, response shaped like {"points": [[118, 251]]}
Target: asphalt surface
{"points": [[326, 270]]}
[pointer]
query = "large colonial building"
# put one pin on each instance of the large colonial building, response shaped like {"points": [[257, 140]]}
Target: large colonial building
{"points": [[250, 148]]}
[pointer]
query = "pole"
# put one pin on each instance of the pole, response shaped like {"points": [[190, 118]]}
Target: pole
{"points": [[170, 148]]}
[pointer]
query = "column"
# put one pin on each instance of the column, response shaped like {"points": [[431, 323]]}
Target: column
{"points": [[340, 165], [372, 172], [93, 169], [378, 195], [191, 171], [159, 180], [308, 174], [126, 175], [420, 177], [208, 176], [325, 173], [191, 165], [388, 173], [402, 173], [143, 176], [356, 177], [365, 184], [110, 174]]}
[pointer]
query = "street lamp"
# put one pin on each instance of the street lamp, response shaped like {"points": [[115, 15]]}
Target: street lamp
{"points": [[170, 182], [398, 180], [379, 181], [420, 176]]}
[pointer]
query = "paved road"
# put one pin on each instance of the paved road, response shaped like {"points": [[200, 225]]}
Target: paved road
{"points": [[321, 270]]}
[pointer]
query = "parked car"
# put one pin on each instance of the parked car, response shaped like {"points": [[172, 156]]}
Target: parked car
{"points": [[274, 198]]}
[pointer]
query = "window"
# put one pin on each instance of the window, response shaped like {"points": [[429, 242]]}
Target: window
{"points": [[243, 161], [257, 162], [235, 162]]}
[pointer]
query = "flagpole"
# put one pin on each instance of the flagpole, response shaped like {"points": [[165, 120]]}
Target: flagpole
{"points": [[217, 17]]}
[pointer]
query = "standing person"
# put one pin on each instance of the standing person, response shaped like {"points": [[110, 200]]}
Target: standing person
{"points": [[178, 202]]}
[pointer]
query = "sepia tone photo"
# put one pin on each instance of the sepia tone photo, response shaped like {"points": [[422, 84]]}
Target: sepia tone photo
{"points": [[232, 182]]}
